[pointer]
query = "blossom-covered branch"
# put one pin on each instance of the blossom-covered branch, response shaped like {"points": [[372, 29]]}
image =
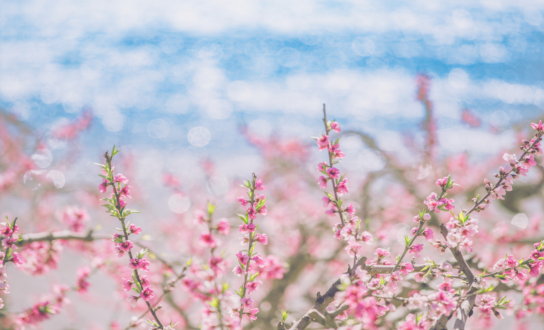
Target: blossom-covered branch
{"points": [[116, 206], [255, 205]]}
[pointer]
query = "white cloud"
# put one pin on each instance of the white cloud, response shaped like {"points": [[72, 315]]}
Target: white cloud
{"points": [[72, 53]]}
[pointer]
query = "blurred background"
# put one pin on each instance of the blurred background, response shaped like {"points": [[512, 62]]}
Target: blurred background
{"points": [[212, 91]]}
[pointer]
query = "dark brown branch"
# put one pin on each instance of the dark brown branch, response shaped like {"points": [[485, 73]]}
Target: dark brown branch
{"points": [[467, 304], [58, 235]]}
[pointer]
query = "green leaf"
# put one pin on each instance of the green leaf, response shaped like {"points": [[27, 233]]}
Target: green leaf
{"points": [[243, 218], [284, 315], [406, 240], [253, 277], [129, 212], [211, 208], [252, 248], [142, 253], [214, 302]]}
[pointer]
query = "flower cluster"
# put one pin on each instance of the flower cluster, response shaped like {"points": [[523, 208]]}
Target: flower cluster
{"points": [[45, 308], [75, 217], [116, 206], [513, 170], [508, 268], [461, 230], [348, 228], [436, 204], [10, 239], [255, 204], [206, 285], [40, 257], [83, 274]]}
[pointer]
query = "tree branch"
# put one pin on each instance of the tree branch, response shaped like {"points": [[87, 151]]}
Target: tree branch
{"points": [[322, 302], [463, 311]]}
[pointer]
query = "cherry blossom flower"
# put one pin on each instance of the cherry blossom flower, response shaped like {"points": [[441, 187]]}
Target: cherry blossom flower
{"points": [[253, 286], [147, 293], [333, 173], [208, 240], [223, 227], [323, 142]]}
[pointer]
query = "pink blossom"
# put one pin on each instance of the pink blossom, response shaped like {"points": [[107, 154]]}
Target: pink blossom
{"points": [[134, 229], [259, 184], [406, 268], [428, 234], [261, 238], [238, 270], [103, 186], [366, 237], [453, 239], [432, 203], [253, 286], [333, 172], [350, 209], [342, 187], [262, 210], [82, 276], [144, 264], [326, 200], [353, 248], [126, 246], [335, 127], [209, 240], [144, 281], [246, 302], [199, 216], [512, 159], [322, 166], [122, 203], [330, 212], [322, 181], [535, 268], [243, 258], [242, 201], [258, 260], [336, 152], [252, 313], [273, 269], [247, 228], [323, 142], [251, 212], [442, 182], [223, 227], [446, 285], [147, 294], [125, 191], [416, 248], [120, 178], [16, 258], [539, 127], [127, 284], [217, 264], [530, 160], [520, 168], [381, 253], [134, 263]]}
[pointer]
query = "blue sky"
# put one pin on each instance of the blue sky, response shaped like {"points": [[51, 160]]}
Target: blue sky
{"points": [[271, 65]]}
